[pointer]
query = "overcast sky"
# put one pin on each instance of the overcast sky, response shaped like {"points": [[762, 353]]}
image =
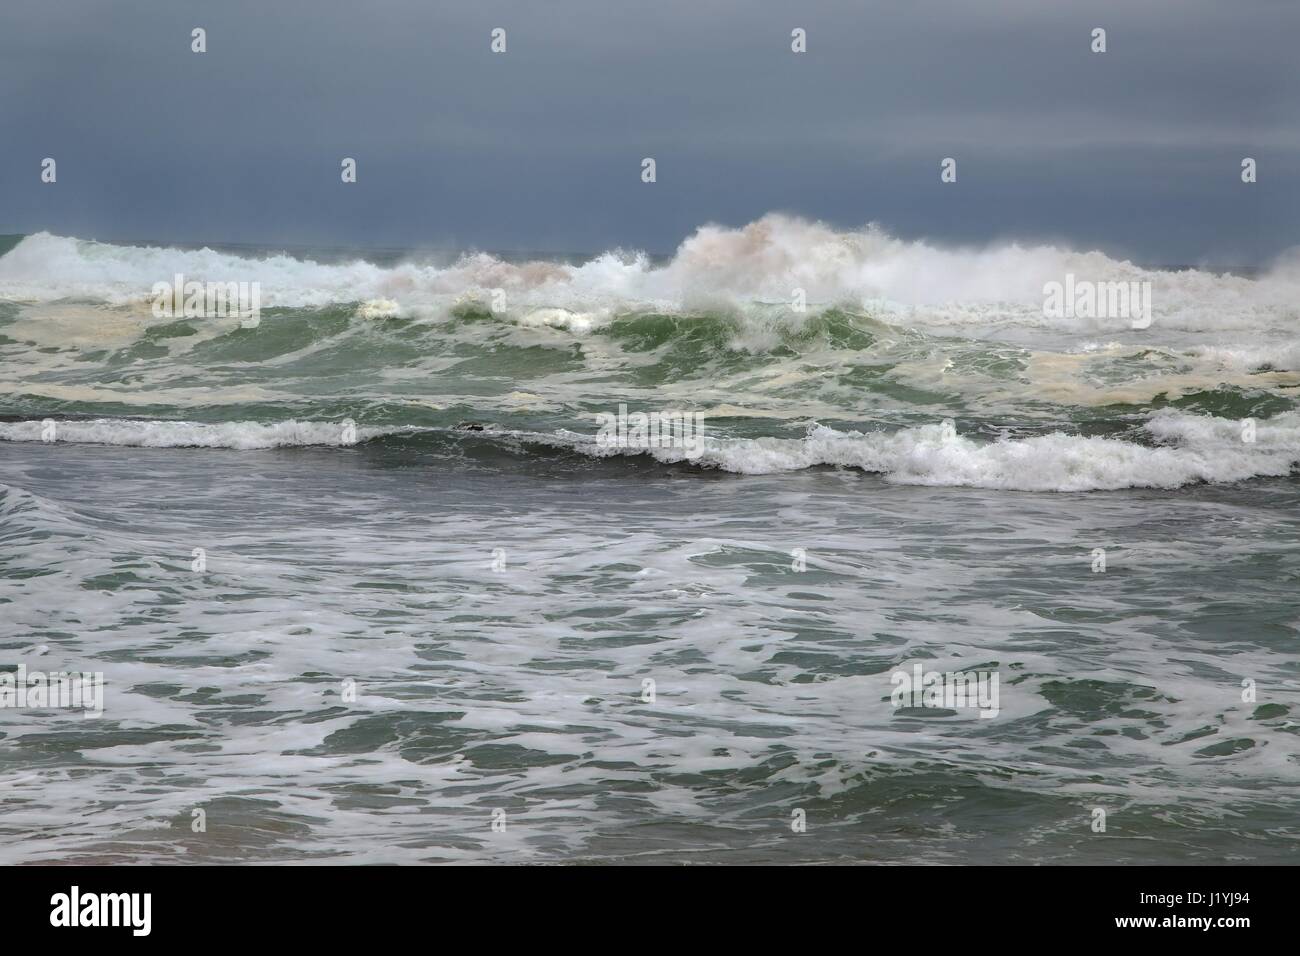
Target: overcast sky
{"points": [[1136, 151]]}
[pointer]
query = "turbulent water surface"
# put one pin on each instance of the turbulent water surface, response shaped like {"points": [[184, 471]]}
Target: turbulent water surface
{"points": [[362, 582]]}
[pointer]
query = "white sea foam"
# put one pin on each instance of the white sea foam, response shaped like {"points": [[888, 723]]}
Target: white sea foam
{"points": [[1198, 448], [379, 309], [580, 322], [912, 282], [478, 688], [1191, 449], [167, 434]]}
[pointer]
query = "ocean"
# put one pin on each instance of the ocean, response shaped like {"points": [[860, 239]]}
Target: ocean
{"points": [[365, 584]]}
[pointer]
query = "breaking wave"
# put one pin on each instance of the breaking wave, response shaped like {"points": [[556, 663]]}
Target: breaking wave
{"points": [[717, 267], [1170, 451]]}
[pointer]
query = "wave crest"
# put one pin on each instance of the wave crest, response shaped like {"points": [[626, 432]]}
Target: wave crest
{"points": [[764, 262], [1183, 449]]}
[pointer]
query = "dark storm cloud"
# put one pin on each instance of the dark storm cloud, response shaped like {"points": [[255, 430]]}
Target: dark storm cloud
{"points": [[1136, 150]]}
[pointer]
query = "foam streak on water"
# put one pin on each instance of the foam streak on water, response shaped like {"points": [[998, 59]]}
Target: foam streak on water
{"points": [[521, 689]]}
